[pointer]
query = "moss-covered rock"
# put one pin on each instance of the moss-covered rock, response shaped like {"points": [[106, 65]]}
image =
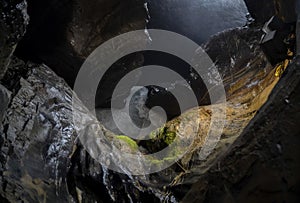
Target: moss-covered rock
{"points": [[127, 141]]}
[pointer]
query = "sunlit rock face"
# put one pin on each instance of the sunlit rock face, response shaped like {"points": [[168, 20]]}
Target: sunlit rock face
{"points": [[248, 78], [263, 159]]}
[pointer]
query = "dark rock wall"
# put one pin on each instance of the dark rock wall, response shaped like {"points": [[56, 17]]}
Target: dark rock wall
{"points": [[13, 22], [261, 10], [95, 22], [42, 161], [4, 100], [286, 10], [62, 33]]}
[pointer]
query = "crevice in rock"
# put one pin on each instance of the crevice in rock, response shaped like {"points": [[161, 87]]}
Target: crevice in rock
{"points": [[46, 38], [41, 159]]}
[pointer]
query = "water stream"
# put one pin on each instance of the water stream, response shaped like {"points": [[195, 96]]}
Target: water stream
{"points": [[198, 20]]}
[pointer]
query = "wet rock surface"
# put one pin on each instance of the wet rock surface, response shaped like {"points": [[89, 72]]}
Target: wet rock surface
{"points": [[197, 20], [37, 139], [248, 82], [262, 164], [247, 88], [42, 158]]}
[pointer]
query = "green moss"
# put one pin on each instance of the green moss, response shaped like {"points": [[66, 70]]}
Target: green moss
{"points": [[163, 134], [169, 137], [129, 141], [156, 161], [153, 135], [169, 158], [156, 134], [173, 154]]}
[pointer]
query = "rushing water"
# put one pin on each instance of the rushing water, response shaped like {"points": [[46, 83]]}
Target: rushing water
{"points": [[248, 80], [196, 19]]}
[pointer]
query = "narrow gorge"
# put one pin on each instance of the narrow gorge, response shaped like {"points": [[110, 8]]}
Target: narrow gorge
{"points": [[43, 151]]}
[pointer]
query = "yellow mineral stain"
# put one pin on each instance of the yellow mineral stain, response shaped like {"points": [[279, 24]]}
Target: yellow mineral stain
{"points": [[35, 184]]}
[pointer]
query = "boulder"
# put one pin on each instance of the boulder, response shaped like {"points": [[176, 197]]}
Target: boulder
{"points": [[41, 158]]}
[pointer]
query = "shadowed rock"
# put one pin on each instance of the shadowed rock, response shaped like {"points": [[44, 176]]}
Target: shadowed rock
{"points": [[261, 11], [63, 33], [248, 83], [42, 159], [4, 100], [13, 22]]}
